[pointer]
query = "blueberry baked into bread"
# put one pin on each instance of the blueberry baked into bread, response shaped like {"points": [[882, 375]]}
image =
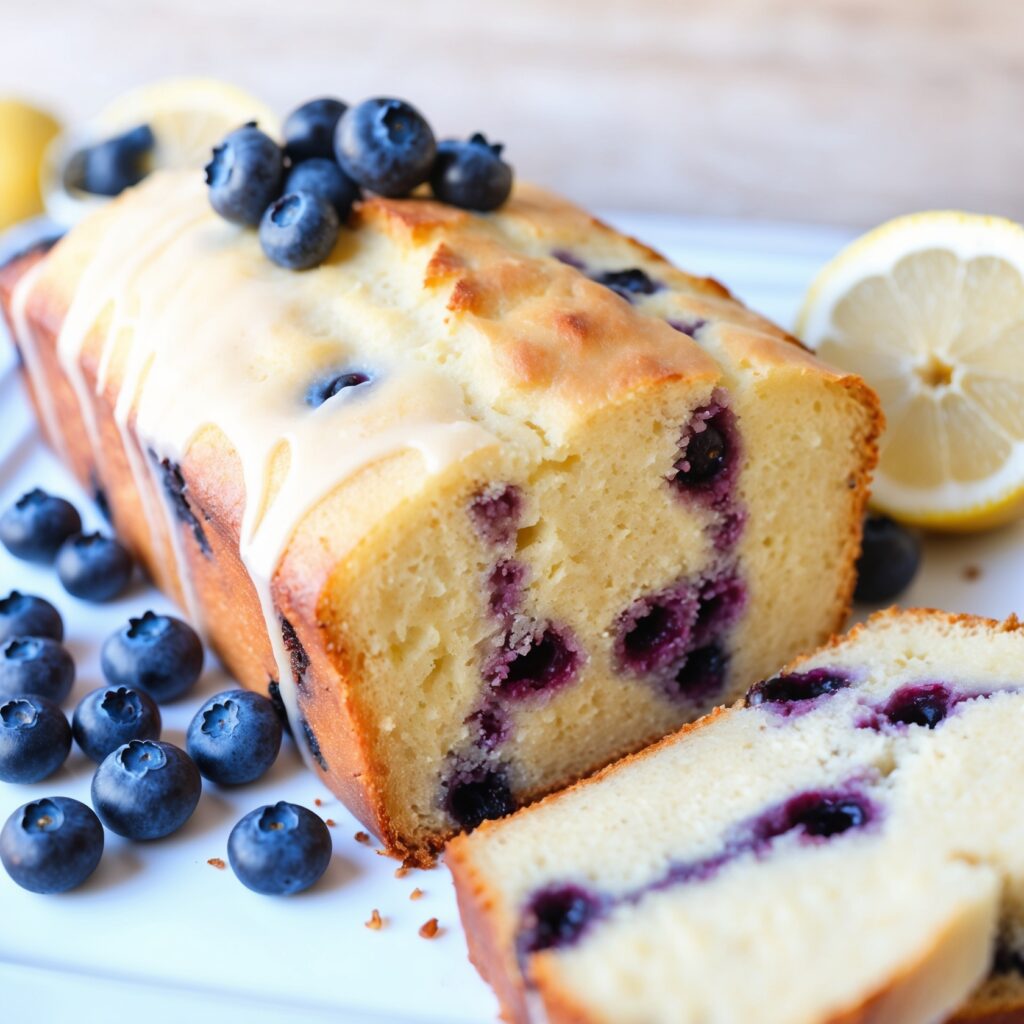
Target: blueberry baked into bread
{"points": [[488, 500], [845, 844]]}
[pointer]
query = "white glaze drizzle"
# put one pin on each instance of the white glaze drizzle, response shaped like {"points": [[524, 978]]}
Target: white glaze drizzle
{"points": [[210, 338]]}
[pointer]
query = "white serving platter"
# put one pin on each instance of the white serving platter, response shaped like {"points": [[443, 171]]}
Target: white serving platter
{"points": [[160, 932]]}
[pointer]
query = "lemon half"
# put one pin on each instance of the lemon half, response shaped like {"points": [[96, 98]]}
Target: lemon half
{"points": [[929, 310]]}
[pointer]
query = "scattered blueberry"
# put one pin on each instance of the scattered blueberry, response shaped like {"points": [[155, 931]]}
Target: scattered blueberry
{"points": [[298, 231], [28, 615], [628, 283], [94, 567], [534, 663], [703, 672], [309, 129], [245, 175], [324, 178], [51, 845], [813, 814], [889, 559], [556, 917], [385, 145], [471, 174], [324, 389], [109, 167], [496, 511], [36, 525], [280, 849], [655, 631], [111, 716], [158, 654], [35, 665], [480, 797], [235, 737], [35, 739], [146, 789]]}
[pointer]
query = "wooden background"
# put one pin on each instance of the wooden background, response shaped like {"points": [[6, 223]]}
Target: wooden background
{"points": [[841, 111]]}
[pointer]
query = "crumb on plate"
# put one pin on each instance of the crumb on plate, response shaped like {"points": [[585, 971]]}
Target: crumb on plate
{"points": [[217, 862], [376, 922], [416, 894], [430, 929]]}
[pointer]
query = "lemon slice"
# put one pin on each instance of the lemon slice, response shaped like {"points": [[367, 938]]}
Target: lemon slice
{"points": [[25, 132], [929, 310], [188, 117]]}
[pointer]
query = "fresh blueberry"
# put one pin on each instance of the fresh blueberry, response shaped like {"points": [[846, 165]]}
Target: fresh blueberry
{"points": [[280, 849], [94, 567], [245, 175], [109, 167], [146, 789], [28, 615], [298, 231], [35, 739], [51, 845], [471, 174], [385, 145], [234, 737], [158, 654], [35, 665], [326, 179], [111, 716], [479, 797], [330, 386], [309, 129], [889, 559], [36, 525]]}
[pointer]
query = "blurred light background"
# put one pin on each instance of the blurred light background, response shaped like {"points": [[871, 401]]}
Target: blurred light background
{"points": [[839, 111]]}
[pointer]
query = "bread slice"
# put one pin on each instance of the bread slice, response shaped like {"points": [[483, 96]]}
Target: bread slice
{"points": [[846, 844], [578, 497]]}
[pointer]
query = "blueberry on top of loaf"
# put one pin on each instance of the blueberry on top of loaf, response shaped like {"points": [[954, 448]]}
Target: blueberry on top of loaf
{"points": [[862, 833], [548, 529]]}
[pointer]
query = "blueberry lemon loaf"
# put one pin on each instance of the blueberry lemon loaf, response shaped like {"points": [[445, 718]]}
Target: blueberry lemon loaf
{"points": [[849, 838], [488, 500]]}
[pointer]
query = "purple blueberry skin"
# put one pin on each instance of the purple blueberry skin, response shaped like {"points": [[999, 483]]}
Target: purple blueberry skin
{"points": [[298, 231], [471, 174], [93, 567], [109, 167], [279, 849], [37, 524], [51, 845], [36, 665], [111, 716], [889, 559], [326, 179], [35, 739], [146, 789], [245, 175], [158, 654], [235, 737], [28, 615], [309, 130], [385, 145], [556, 917]]}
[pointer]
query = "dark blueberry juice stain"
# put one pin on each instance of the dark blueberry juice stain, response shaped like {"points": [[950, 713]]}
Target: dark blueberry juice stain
{"points": [[534, 663], [314, 746], [792, 688], [496, 511], [325, 388], [477, 795], [656, 629], [296, 652], [557, 915], [926, 705], [688, 327], [177, 493], [628, 283], [274, 694]]}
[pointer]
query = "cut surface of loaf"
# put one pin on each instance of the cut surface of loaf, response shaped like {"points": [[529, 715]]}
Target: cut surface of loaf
{"points": [[487, 500], [846, 844]]}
